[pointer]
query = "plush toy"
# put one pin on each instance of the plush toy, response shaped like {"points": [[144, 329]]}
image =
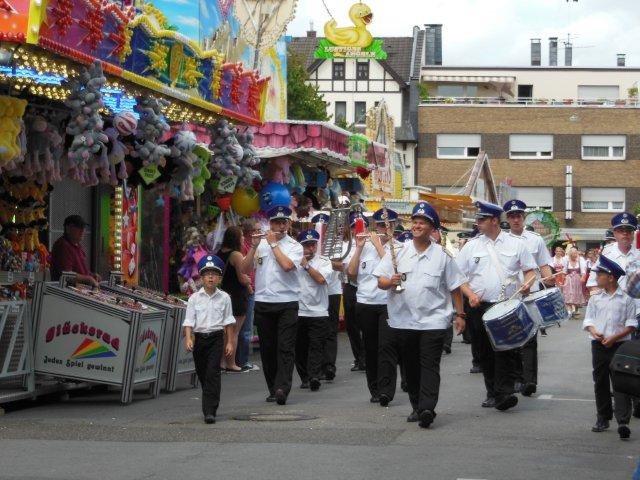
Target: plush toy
{"points": [[124, 125], [11, 112], [43, 140], [233, 154], [183, 158], [194, 251], [201, 168], [151, 127], [278, 170]]}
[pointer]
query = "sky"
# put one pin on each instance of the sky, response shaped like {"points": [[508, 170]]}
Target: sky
{"points": [[499, 32]]}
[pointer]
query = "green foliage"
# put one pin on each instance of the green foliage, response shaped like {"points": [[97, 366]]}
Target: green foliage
{"points": [[633, 92], [424, 91], [636, 209], [304, 102]]}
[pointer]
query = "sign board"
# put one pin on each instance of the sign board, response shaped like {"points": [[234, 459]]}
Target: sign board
{"points": [[148, 351]]}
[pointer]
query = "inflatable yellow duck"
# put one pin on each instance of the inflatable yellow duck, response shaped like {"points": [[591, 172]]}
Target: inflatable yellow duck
{"points": [[358, 36]]}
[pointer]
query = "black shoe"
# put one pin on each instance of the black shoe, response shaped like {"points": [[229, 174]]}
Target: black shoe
{"points": [[384, 400], [426, 418], [271, 398], [329, 375], [476, 369], [600, 426], [413, 417], [212, 419], [281, 397], [374, 399], [517, 387], [624, 432], [506, 403], [528, 389], [304, 385], [543, 332], [314, 384], [489, 402], [403, 386], [446, 349], [636, 410]]}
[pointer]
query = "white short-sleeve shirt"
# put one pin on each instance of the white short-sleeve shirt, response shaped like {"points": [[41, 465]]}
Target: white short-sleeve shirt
{"points": [[476, 263], [208, 313], [538, 250], [610, 314], [314, 297], [273, 284], [368, 291], [428, 278], [613, 252]]}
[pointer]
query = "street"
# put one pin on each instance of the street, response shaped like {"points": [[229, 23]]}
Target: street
{"points": [[340, 435]]}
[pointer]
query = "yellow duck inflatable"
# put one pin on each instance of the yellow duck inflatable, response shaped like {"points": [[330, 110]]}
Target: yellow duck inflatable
{"points": [[358, 36]]}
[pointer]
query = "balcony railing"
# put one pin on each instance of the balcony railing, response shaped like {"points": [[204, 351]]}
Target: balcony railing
{"points": [[537, 102]]}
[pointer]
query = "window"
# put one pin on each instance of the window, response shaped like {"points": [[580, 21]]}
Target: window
{"points": [[362, 70], [525, 91], [603, 147], [535, 197], [457, 91], [458, 146], [338, 70], [341, 112], [360, 113], [598, 92], [603, 199], [530, 147]]}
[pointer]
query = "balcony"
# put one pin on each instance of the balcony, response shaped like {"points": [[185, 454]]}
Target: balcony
{"points": [[533, 102]]}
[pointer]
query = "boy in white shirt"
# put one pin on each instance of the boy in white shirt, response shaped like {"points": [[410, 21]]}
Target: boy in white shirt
{"points": [[610, 320], [208, 314]]}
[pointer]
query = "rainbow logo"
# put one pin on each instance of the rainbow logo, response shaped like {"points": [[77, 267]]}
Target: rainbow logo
{"points": [[149, 352], [92, 349]]}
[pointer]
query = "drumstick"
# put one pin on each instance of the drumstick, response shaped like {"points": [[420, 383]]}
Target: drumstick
{"points": [[526, 284]]}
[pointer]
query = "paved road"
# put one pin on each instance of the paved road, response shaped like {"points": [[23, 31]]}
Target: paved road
{"points": [[90, 436]]}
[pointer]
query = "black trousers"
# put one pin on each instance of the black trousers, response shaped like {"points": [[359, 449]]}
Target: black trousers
{"points": [[354, 329], [207, 353], [331, 343], [310, 345], [448, 337], [498, 368], [422, 351], [390, 356], [375, 331], [527, 365], [277, 324], [601, 359]]}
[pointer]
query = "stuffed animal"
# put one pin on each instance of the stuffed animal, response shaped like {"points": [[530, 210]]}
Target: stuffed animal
{"points": [[124, 125], [151, 127], [182, 145]]}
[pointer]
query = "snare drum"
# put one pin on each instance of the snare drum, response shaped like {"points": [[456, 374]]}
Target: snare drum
{"points": [[508, 325], [547, 307]]}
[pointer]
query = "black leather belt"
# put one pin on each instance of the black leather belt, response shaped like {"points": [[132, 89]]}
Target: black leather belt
{"points": [[207, 334]]}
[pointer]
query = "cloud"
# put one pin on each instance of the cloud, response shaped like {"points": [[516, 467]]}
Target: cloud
{"points": [[204, 9], [179, 2], [187, 21], [478, 32]]}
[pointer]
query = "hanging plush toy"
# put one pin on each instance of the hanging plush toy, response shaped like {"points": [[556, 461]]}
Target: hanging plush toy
{"points": [[43, 140], [183, 159], [11, 126], [201, 165], [194, 251], [151, 127], [87, 152], [233, 154], [124, 125]]}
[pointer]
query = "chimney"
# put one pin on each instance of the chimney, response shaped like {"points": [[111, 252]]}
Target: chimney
{"points": [[553, 51], [433, 44], [568, 54], [621, 60], [536, 52], [311, 33]]}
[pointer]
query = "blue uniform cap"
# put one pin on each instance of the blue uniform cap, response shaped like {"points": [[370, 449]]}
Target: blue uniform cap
{"points": [[378, 216], [624, 220], [280, 212], [515, 206], [609, 266], [405, 237], [424, 210], [320, 218], [307, 236], [211, 262], [487, 210], [608, 235], [354, 215]]}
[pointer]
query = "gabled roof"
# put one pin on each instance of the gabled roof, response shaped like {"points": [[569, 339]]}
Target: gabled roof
{"points": [[398, 62]]}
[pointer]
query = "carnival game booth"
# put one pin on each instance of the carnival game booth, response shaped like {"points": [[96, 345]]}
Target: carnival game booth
{"points": [[88, 93]]}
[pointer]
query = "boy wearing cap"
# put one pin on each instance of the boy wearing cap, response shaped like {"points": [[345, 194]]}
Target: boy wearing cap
{"points": [[208, 314], [610, 320], [313, 313], [421, 313], [276, 300]]}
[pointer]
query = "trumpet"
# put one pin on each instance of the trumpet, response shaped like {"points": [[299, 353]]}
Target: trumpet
{"points": [[392, 248]]}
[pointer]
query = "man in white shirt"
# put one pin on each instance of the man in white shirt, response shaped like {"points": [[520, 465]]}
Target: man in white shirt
{"points": [[527, 367], [208, 314], [422, 312], [493, 263], [380, 340], [277, 291], [313, 313]]}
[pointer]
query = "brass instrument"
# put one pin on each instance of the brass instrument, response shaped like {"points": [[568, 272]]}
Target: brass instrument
{"points": [[334, 236], [392, 248]]}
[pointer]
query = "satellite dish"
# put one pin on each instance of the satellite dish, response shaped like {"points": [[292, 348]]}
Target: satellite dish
{"points": [[263, 22]]}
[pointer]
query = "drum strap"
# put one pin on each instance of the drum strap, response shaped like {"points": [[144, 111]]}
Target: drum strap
{"points": [[504, 279]]}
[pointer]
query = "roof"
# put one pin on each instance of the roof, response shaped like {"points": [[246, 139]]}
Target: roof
{"points": [[534, 68], [398, 62]]}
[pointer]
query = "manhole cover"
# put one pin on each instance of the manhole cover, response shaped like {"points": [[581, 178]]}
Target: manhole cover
{"points": [[274, 417]]}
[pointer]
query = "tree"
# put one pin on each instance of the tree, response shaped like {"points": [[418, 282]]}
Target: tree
{"points": [[304, 102]]}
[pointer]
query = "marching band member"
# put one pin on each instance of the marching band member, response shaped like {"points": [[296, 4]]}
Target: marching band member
{"points": [[380, 342], [610, 320], [492, 262], [276, 257], [527, 366], [421, 313], [313, 314]]}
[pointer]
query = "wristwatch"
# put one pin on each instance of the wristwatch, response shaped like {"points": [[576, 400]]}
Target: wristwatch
{"points": [[307, 267], [273, 245]]}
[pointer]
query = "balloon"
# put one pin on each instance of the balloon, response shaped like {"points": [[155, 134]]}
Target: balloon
{"points": [[274, 195], [245, 201], [224, 203]]}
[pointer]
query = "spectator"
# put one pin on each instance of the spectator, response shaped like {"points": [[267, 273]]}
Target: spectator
{"points": [[67, 254]]}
